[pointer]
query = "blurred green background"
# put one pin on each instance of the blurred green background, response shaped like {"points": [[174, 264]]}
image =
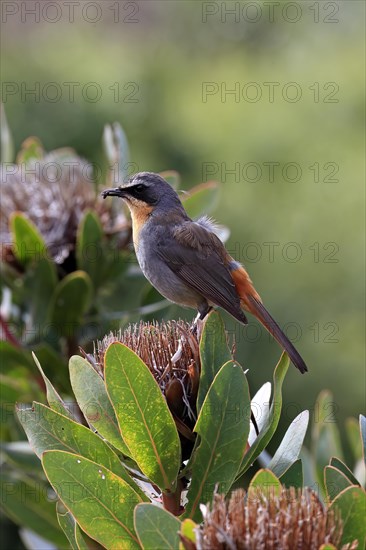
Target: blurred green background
{"points": [[163, 69]]}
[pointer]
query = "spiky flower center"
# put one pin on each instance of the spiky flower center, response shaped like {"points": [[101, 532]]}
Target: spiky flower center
{"points": [[294, 519], [171, 352]]}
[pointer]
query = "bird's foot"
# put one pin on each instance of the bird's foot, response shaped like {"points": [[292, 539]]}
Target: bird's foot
{"points": [[196, 327]]}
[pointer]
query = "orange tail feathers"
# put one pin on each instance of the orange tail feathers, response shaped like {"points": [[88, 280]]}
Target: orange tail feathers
{"points": [[251, 301]]}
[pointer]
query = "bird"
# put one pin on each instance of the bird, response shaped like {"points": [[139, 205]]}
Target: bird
{"points": [[186, 261]]}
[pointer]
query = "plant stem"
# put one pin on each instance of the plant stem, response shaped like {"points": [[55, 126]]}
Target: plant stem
{"points": [[171, 501]]}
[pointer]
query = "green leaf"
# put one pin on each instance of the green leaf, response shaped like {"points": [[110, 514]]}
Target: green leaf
{"points": [[48, 430], [77, 538], [95, 492], [363, 435], [39, 285], [188, 534], [290, 447], [353, 436], [145, 422], [201, 199], [214, 353], [84, 542], [93, 400], [335, 481], [344, 469], [67, 523], [223, 428], [26, 501], [70, 301], [274, 415], [89, 248], [351, 505], [28, 245], [293, 476], [156, 528], [7, 144], [325, 435], [53, 398], [264, 483]]}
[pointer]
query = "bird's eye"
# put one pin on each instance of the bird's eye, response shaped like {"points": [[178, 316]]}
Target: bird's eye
{"points": [[139, 188]]}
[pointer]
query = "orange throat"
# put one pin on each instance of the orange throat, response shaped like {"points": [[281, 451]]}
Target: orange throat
{"points": [[139, 214]]}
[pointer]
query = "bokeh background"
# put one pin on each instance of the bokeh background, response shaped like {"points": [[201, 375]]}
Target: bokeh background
{"points": [[268, 99]]}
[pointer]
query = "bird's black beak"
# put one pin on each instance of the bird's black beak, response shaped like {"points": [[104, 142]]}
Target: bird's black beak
{"points": [[116, 192]]}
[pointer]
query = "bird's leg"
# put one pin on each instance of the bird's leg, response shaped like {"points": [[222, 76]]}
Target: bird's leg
{"points": [[194, 324], [203, 310], [198, 316]]}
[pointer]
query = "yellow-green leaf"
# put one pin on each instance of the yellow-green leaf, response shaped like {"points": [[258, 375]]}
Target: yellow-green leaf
{"points": [[91, 395], [156, 528], [335, 482], [101, 502], [84, 542], [145, 422], [48, 430], [264, 483], [67, 523], [28, 244], [223, 428], [188, 534], [54, 400], [341, 466], [350, 504], [214, 353]]}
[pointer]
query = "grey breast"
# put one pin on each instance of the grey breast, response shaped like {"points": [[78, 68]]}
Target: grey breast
{"points": [[155, 269]]}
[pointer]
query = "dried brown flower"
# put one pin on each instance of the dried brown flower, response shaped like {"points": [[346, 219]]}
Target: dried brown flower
{"points": [[294, 520], [54, 190], [171, 351]]}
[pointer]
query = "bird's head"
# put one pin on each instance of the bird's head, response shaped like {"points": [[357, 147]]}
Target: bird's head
{"points": [[146, 190]]}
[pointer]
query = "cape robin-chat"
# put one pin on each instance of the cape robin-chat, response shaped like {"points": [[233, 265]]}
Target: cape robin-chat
{"points": [[186, 261]]}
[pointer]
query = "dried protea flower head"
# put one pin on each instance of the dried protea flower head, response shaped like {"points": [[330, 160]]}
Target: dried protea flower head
{"points": [[292, 519], [171, 351], [54, 190]]}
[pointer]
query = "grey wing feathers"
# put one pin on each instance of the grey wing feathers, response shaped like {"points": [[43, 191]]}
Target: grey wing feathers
{"points": [[197, 256]]}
